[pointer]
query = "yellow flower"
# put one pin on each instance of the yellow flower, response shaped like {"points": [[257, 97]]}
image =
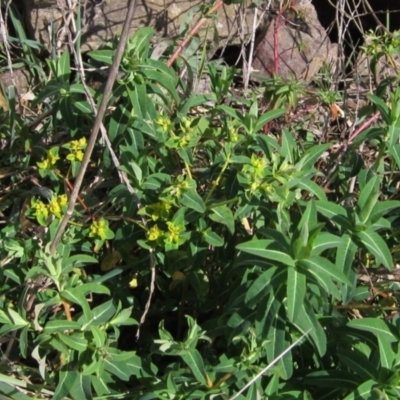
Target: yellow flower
{"points": [[56, 205], [183, 141], [254, 186], [62, 200], [164, 122], [79, 155], [44, 164], [55, 208], [233, 135], [52, 158], [174, 232], [186, 124], [259, 164], [99, 229], [160, 210], [78, 144], [39, 207], [154, 233]]}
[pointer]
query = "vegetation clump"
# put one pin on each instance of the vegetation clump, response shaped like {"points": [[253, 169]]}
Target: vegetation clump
{"points": [[227, 244]]}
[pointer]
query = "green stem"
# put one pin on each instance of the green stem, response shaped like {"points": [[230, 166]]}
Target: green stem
{"points": [[188, 170], [216, 182], [222, 203]]}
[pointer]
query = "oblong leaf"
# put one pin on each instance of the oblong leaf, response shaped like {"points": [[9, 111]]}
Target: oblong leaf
{"points": [[61, 326], [267, 117], [265, 283], [223, 215], [311, 156], [259, 248], [191, 199], [195, 362], [324, 266], [324, 241], [296, 291], [334, 212], [377, 246], [376, 326]]}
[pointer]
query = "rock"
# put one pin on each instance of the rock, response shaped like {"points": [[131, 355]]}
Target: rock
{"points": [[293, 44], [103, 19]]}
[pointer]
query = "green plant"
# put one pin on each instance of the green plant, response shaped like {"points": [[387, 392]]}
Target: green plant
{"points": [[232, 245], [283, 93]]}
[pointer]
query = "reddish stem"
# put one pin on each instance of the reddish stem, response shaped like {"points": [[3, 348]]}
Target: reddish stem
{"points": [[194, 30], [277, 25], [360, 129]]}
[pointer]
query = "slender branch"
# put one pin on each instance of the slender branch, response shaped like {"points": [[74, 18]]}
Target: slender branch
{"points": [[96, 125], [269, 366], [178, 51], [152, 286]]}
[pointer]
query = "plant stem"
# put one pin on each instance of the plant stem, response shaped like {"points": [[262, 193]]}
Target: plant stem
{"points": [[216, 182], [96, 125], [178, 51]]}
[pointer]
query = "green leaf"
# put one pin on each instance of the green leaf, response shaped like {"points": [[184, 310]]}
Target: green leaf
{"points": [[63, 67], [325, 241], [368, 198], [157, 71], [277, 345], [191, 199], [364, 392], [99, 336], [313, 188], [123, 318], [101, 314], [382, 107], [395, 153], [11, 391], [307, 223], [306, 320], [119, 121], [104, 56], [73, 296], [136, 142], [382, 208], [83, 106], [76, 341], [345, 255], [358, 363], [288, 146], [117, 368], [87, 288], [311, 156], [235, 114], [370, 189], [67, 112], [194, 361], [267, 281], [386, 353], [61, 326], [376, 326], [260, 248], [66, 380], [267, 117], [377, 246], [81, 389], [321, 265], [17, 319], [334, 212], [296, 291], [212, 238], [223, 215], [332, 378]]}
